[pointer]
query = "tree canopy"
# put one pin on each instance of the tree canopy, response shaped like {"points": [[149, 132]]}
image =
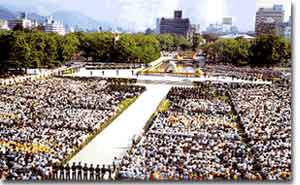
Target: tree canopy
{"points": [[169, 42], [34, 49], [264, 50], [269, 50]]}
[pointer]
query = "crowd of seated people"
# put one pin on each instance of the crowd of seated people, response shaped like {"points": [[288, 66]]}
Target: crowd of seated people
{"points": [[216, 133], [246, 73], [43, 122], [197, 138], [265, 113], [11, 74]]}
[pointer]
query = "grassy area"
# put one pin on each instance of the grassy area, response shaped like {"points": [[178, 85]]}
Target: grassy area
{"points": [[276, 79], [126, 103], [164, 106], [26, 147], [123, 105], [224, 98], [187, 54]]}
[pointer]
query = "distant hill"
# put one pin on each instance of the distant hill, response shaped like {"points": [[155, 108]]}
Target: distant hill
{"points": [[74, 18], [6, 14], [69, 18], [37, 17], [40, 7]]}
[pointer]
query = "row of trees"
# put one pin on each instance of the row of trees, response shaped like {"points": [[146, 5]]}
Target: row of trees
{"points": [[34, 49], [19, 49], [170, 42], [129, 47], [265, 50]]}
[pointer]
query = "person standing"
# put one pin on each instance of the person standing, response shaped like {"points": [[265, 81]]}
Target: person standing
{"points": [[73, 171], [92, 172], [85, 172], [97, 170], [55, 171], [103, 171], [79, 171], [68, 174], [114, 165], [109, 172], [61, 173]]}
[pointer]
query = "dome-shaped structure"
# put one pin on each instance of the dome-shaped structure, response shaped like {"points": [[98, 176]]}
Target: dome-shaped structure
{"points": [[189, 69], [171, 67]]}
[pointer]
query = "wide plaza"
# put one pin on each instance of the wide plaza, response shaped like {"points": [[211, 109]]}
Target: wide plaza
{"points": [[120, 124]]}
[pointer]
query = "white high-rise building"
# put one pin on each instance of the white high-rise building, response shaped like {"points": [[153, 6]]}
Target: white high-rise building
{"points": [[226, 24], [22, 21], [196, 28], [269, 19], [52, 25], [157, 27], [3, 25]]}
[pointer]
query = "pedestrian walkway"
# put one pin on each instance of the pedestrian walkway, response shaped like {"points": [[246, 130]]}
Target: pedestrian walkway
{"points": [[131, 74], [117, 137], [21, 79]]}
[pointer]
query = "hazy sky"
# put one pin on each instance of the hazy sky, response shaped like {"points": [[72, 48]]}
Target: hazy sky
{"points": [[141, 14]]}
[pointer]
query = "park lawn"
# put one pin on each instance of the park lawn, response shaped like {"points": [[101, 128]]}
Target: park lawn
{"points": [[164, 106]]}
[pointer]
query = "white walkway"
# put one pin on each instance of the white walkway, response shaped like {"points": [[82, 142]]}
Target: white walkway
{"points": [[117, 137], [127, 73]]}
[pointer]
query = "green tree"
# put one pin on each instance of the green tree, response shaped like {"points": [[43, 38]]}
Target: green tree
{"points": [[67, 46], [50, 51], [269, 50], [19, 50], [166, 41], [148, 48], [97, 45], [197, 41], [125, 49], [210, 37], [229, 51], [243, 53], [182, 43], [5, 39], [37, 45]]}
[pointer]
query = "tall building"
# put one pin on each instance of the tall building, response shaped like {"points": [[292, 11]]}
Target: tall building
{"points": [[3, 25], [226, 24], [22, 21], [288, 29], [157, 28], [214, 28], [196, 28], [176, 25], [52, 25], [269, 20]]}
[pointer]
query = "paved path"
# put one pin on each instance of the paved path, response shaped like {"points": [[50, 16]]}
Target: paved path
{"points": [[117, 137], [20, 79], [127, 73]]}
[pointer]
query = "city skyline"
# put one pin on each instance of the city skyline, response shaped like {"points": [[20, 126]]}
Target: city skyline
{"points": [[138, 15]]}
